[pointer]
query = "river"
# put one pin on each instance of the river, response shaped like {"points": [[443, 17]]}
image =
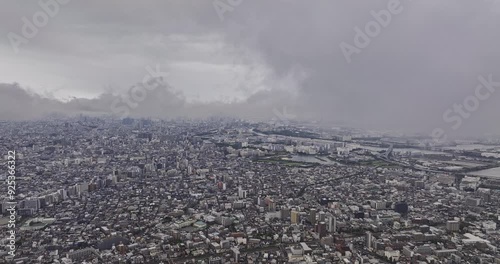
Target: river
{"points": [[493, 173], [312, 159]]}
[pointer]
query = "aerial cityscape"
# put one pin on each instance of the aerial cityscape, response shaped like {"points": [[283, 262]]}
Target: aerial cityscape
{"points": [[230, 191], [249, 131]]}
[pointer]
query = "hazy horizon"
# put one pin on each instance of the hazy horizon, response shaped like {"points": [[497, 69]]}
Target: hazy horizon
{"points": [[397, 65]]}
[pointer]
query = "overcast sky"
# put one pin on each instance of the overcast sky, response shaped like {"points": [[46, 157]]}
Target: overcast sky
{"points": [[253, 58]]}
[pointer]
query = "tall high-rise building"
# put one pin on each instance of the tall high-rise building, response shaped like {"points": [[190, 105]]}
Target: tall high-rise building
{"points": [[236, 253], [332, 224], [322, 216], [242, 194], [321, 229], [453, 226], [271, 206], [369, 239], [64, 194], [285, 213], [312, 216], [294, 217]]}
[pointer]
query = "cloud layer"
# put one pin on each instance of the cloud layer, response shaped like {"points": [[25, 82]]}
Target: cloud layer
{"points": [[263, 55]]}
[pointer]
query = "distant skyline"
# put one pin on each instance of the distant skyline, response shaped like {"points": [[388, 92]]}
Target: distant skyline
{"points": [[408, 62]]}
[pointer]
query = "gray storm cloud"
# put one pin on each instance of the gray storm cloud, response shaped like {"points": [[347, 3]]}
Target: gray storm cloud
{"points": [[162, 102], [426, 59]]}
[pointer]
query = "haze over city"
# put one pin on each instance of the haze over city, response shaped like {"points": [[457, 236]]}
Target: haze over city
{"points": [[248, 59], [249, 131]]}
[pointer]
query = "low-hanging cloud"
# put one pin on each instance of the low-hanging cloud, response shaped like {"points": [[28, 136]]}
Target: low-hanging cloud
{"points": [[163, 102], [427, 58]]}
